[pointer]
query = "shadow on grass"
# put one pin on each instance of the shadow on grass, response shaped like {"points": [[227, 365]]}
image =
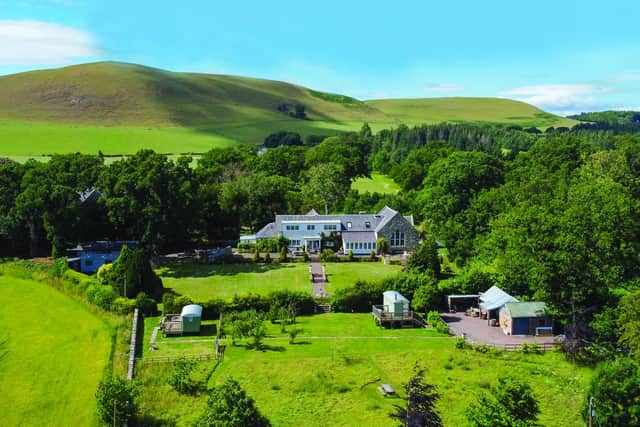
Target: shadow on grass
{"points": [[277, 348], [185, 268], [151, 421], [300, 343]]}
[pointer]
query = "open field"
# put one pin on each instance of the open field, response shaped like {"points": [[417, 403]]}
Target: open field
{"points": [[492, 110], [56, 352], [330, 377], [378, 183], [202, 282], [38, 139]]}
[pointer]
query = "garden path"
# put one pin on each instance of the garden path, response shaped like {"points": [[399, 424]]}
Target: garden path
{"points": [[317, 278]]}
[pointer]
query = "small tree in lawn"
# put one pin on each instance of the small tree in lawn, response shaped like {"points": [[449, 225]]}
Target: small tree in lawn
{"points": [[283, 255], [511, 404], [230, 406], [615, 389], [293, 333], [420, 408], [117, 400], [381, 246]]}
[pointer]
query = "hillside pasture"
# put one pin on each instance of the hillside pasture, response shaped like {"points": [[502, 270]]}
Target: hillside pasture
{"points": [[378, 183], [470, 110], [55, 354], [330, 376]]}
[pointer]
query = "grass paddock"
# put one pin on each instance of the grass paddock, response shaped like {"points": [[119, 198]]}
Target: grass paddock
{"points": [[55, 352]]}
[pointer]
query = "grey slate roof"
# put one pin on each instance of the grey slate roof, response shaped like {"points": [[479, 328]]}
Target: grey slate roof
{"points": [[359, 236], [358, 221], [269, 231]]}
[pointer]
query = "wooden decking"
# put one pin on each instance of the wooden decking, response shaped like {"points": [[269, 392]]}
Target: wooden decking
{"points": [[171, 325], [385, 318]]}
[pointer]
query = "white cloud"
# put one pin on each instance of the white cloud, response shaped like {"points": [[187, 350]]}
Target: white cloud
{"points": [[444, 87], [29, 42], [558, 98], [627, 78]]}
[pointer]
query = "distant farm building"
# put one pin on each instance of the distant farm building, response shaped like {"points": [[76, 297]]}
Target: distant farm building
{"points": [[187, 322], [88, 257], [525, 318]]}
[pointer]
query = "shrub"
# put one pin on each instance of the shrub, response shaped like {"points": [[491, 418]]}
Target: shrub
{"points": [[283, 255], [180, 378], [59, 266], [434, 319], [358, 298], [123, 305], [293, 333], [382, 246], [305, 256], [256, 256], [372, 256], [267, 258], [103, 272], [148, 306], [327, 255], [117, 399], [350, 256], [100, 295]]}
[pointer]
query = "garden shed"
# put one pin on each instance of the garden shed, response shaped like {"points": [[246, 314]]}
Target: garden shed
{"points": [[191, 315], [395, 303], [394, 310], [525, 318]]}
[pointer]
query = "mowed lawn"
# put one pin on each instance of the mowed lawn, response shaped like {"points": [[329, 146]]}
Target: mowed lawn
{"points": [[55, 352], [202, 282], [330, 377], [378, 183], [345, 274]]}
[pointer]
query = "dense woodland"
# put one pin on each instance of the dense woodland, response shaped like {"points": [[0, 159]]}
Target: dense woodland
{"points": [[550, 216]]}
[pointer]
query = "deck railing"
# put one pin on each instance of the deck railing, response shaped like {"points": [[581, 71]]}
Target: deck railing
{"points": [[381, 314]]}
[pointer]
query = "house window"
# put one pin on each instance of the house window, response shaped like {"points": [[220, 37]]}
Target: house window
{"points": [[397, 239], [330, 227], [295, 243], [292, 227], [311, 227]]}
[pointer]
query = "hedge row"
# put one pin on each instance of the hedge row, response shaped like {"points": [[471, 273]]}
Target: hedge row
{"points": [[304, 303]]}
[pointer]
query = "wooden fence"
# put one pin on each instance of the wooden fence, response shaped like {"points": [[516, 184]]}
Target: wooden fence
{"points": [[166, 359], [531, 346]]}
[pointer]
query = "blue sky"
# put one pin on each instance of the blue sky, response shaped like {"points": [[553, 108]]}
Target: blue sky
{"points": [[563, 56]]}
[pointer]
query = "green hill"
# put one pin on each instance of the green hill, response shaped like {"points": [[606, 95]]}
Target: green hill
{"points": [[119, 108], [492, 110]]}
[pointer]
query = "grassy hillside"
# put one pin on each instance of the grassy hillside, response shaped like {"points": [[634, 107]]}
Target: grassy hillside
{"points": [[492, 110], [54, 355], [120, 108]]}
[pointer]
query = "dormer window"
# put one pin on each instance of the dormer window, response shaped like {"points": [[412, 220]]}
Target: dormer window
{"points": [[367, 224], [349, 224]]}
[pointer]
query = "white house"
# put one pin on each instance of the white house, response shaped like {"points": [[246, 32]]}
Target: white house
{"points": [[358, 233]]}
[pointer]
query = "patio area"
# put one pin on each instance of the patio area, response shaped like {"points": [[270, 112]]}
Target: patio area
{"points": [[477, 330]]}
